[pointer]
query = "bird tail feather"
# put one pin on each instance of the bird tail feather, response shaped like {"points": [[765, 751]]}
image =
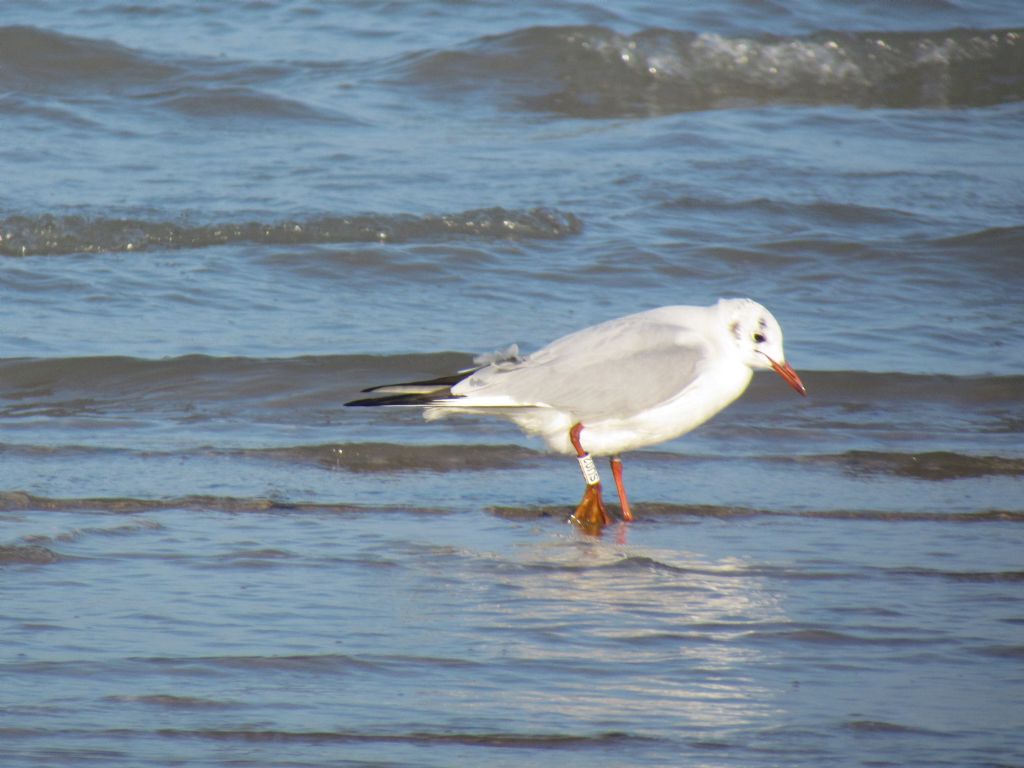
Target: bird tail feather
{"points": [[412, 392]]}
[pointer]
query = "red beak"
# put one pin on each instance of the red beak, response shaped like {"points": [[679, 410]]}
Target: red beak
{"points": [[785, 370]]}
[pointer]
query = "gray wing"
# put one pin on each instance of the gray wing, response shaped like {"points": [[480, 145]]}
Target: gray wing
{"points": [[611, 371]]}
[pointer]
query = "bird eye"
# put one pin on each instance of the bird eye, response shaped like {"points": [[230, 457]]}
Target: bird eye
{"points": [[760, 338]]}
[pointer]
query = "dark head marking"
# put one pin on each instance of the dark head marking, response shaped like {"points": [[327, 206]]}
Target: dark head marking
{"points": [[762, 326]]}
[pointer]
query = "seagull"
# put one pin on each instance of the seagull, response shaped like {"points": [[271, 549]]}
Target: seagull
{"points": [[614, 387]]}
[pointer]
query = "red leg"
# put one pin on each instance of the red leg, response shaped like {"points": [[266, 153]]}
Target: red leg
{"points": [[574, 438], [627, 513], [591, 515]]}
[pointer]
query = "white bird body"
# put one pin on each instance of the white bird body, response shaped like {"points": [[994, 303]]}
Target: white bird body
{"points": [[633, 381]]}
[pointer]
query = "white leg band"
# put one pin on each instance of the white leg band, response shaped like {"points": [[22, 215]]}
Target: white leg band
{"points": [[589, 469]]}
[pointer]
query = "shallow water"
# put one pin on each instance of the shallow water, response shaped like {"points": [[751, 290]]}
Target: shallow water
{"points": [[218, 224]]}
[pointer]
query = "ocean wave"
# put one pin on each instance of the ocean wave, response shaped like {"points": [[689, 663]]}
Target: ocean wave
{"points": [[927, 465], [59, 386], [27, 554], [507, 740], [578, 71], [388, 458], [172, 702], [819, 636], [654, 511], [596, 72], [56, 235], [34, 59], [17, 501], [39, 61], [63, 386], [392, 457], [976, 577], [11, 501], [233, 102]]}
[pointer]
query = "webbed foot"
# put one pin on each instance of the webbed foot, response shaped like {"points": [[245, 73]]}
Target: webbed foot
{"points": [[591, 516]]}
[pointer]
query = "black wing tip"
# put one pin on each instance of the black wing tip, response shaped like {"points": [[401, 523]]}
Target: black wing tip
{"points": [[422, 399], [364, 401], [433, 390], [441, 382]]}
